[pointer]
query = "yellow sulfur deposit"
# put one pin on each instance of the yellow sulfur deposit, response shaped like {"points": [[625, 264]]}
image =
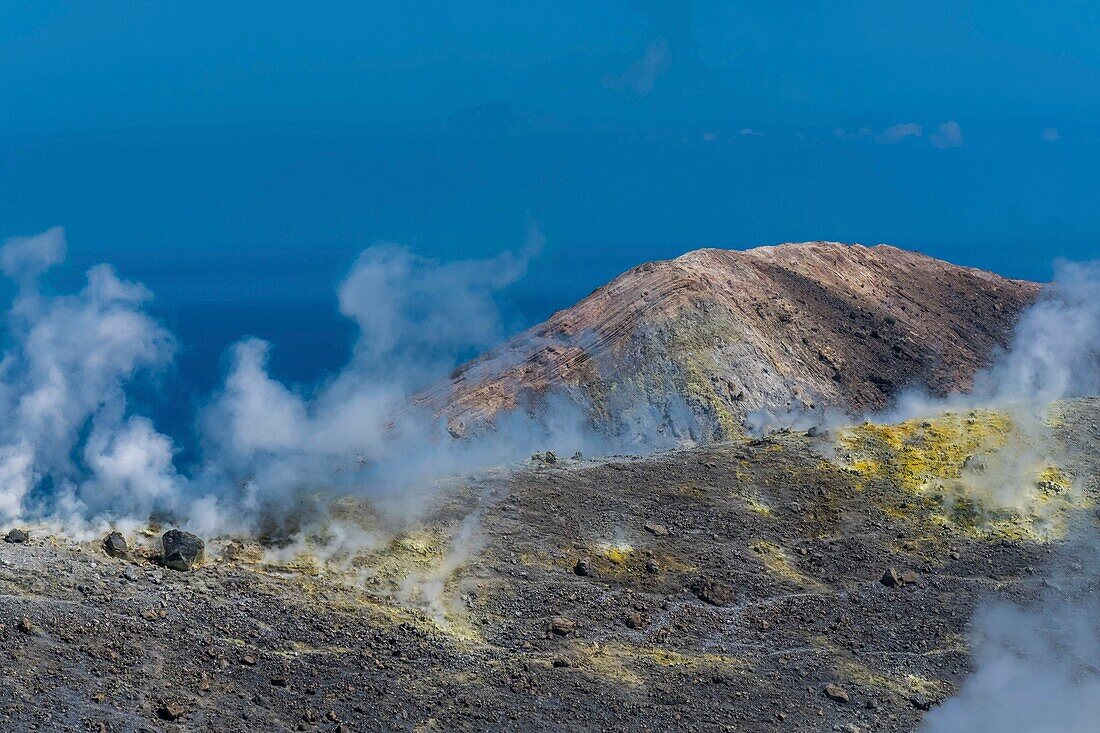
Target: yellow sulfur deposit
{"points": [[976, 473], [918, 451], [617, 553], [777, 562]]}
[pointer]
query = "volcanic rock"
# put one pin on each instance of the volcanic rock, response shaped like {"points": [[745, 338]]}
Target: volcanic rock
{"points": [[891, 578], [658, 530], [562, 626], [714, 592], [181, 551], [115, 545], [16, 536], [583, 567], [838, 693]]}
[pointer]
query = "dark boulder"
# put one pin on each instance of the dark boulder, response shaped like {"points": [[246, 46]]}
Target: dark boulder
{"points": [[16, 537], [115, 545], [891, 578], [181, 550]]}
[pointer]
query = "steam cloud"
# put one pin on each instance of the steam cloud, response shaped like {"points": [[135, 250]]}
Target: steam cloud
{"points": [[67, 443], [72, 450], [1036, 666]]}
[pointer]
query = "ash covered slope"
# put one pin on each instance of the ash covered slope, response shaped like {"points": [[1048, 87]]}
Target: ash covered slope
{"points": [[713, 335], [747, 586]]}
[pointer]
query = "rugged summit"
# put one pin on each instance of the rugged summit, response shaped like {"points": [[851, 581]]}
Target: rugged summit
{"points": [[713, 335]]}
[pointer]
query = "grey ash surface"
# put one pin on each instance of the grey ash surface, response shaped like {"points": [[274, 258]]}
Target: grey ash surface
{"points": [[764, 591]]}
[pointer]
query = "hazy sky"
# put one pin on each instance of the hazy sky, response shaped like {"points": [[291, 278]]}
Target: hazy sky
{"points": [[245, 152]]}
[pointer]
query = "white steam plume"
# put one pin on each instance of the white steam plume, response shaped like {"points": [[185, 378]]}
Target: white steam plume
{"points": [[67, 442], [1036, 666], [72, 450], [1035, 671]]}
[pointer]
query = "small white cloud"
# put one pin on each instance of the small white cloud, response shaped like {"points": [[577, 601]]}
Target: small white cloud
{"points": [[950, 135], [749, 131], [31, 256], [896, 133], [1051, 135], [710, 137], [861, 132]]}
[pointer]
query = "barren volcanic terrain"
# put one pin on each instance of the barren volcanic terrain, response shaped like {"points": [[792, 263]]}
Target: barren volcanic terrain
{"points": [[710, 337], [788, 583]]}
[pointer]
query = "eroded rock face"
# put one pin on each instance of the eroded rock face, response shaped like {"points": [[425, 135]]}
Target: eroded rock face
{"points": [[181, 551], [714, 335]]}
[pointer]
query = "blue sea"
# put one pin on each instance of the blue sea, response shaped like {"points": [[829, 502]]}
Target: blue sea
{"points": [[248, 232]]}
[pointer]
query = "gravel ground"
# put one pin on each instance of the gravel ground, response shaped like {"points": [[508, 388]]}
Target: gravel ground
{"points": [[735, 587]]}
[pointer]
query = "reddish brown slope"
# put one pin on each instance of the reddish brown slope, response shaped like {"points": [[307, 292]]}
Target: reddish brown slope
{"points": [[723, 333]]}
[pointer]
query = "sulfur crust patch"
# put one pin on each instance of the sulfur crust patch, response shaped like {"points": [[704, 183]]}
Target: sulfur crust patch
{"points": [[940, 462]]}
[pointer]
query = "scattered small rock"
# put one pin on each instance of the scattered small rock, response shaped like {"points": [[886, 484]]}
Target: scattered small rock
{"points": [[910, 577], [652, 566], [714, 592], [280, 681], [26, 627], [181, 551], [921, 703], [838, 693], [578, 456], [171, 711], [658, 530], [115, 545], [233, 550], [16, 537], [248, 660], [562, 626], [634, 620], [583, 567]]}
